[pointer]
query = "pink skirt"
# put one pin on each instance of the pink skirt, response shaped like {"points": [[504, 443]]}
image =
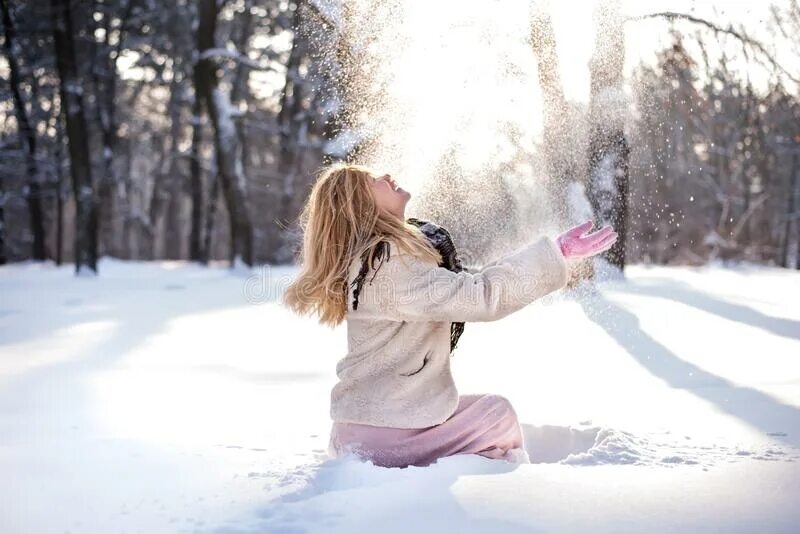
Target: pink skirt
{"points": [[482, 424]]}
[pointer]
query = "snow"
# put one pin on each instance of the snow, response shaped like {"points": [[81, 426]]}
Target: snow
{"points": [[225, 112], [604, 177], [168, 397], [579, 208], [344, 143], [331, 10], [218, 52], [231, 53]]}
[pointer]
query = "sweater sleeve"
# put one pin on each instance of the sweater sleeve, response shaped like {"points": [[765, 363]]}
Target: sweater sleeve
{"points": [[406, 288]]}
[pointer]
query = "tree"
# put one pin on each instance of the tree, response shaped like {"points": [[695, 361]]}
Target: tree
{"points": [[71, 91], [227, 149], [114, 23], [608, 147], [27, 138], [791, 243]]}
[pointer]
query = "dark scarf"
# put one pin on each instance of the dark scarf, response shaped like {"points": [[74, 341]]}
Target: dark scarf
{"points": [[441, 240]]}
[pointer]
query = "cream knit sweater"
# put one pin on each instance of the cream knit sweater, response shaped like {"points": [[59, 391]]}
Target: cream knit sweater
{"points": [[397, 369]]}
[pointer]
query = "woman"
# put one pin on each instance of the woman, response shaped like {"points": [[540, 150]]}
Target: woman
{"points": [[402, 291]]}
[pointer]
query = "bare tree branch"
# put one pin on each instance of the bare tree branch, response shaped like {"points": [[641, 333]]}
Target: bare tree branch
{"points": [[729, 30]]}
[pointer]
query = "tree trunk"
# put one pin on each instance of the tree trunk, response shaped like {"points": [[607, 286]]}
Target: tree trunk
{"points": [[159, 202], [71, 91], [211, 214], [59, 188], [168, 184], [240, 94], [196, 251], [288, 122], [228, 154], [3, 258], [791, 241], [27, 137], [608, 187], [608, 148], [105, 80]]}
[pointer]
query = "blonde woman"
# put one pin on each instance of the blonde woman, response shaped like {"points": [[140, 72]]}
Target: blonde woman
{"points": [[400, 288]]}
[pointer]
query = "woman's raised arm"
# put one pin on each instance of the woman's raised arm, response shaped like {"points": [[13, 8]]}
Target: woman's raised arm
{"points": [[406, 288]]}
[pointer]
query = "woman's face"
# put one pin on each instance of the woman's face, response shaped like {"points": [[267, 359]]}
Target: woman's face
{"points": [[389, 196]]}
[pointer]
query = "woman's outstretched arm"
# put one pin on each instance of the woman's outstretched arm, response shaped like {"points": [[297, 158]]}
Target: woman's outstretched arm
{"points": [[406, 288]]}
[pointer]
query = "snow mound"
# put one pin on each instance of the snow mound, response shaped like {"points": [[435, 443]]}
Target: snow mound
{"points": [[613, 447]]}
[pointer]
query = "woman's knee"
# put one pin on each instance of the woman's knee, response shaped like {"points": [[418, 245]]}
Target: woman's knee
{"points": [[502, 406], [505, 425]]}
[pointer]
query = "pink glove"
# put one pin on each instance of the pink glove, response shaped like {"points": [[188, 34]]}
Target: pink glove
{"points": [[575, 245]]}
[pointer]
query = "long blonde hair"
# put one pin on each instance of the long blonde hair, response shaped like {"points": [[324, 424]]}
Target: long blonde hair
{"points": [[342, 222]]}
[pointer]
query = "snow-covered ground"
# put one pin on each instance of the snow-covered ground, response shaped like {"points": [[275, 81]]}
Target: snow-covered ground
{"points": [[165, 397]]}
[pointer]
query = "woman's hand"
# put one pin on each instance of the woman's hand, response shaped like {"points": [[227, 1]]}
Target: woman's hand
{"points": [[575, 245]]}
